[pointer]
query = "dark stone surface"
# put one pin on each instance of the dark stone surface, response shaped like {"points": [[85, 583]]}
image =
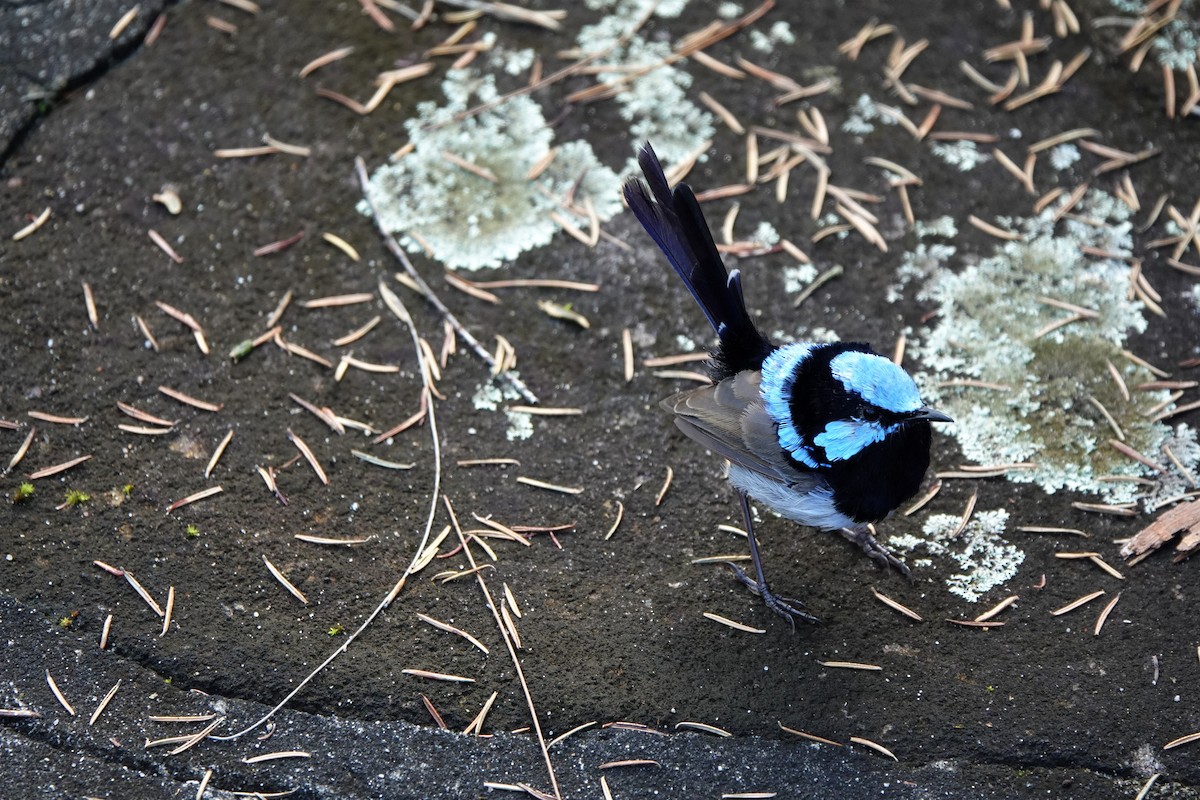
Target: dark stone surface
{"points": [[63, 756], [48, 47], [612, 627]]}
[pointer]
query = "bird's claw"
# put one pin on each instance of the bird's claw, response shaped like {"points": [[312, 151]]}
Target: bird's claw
{"points": [[786, 607], [877, 552]]}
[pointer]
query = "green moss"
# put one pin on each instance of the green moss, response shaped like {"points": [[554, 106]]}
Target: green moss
{"points": [[192, 531], [76, 497], [1073, 383], [23, 492], [241, 350]]}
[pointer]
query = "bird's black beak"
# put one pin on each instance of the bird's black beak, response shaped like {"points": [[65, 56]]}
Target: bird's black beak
{"points": [[930, 415]]}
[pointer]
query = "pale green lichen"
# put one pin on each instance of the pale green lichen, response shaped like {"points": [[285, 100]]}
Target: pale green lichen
{"points": [[991, 321], [685, 344], [520, 425], [765, 234], [729, 10], [470, 222], [514, 62], [798, 276], [863, 116], [658, 107], [1175, 44], [943, 227], [658, 104], [781, 33], [1063, 156], [489, 397], [831, 220], [631, 10], [984, 558], [802, 334], [921, 261], [1169, 486], [768, 41], [962, 154]]}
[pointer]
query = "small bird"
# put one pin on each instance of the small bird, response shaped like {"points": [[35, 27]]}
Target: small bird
{"points": [[830, 435]]}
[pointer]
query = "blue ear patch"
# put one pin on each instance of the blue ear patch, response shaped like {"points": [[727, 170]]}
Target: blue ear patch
{"points": [[844, 438], [877, 380], [778, 376]]}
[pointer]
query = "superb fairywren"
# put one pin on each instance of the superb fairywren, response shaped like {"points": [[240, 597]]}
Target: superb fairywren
{"points": [[830, 435]]}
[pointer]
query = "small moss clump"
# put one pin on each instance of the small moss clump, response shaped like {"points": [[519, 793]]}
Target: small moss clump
{"points": [[241, 350], [192, 531], [23, 492], [76, 497]]}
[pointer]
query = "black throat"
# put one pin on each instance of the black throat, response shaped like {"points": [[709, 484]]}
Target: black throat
{"points": [[874, 482]]}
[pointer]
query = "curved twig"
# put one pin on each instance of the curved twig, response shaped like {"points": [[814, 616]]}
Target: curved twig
{"points": [[397, 308]]}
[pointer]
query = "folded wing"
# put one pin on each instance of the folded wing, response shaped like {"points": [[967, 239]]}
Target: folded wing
{"points": [[729, 419]]}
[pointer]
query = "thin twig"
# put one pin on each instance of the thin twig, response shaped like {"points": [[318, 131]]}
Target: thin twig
{"points": [[393, 303], [431, 298]]}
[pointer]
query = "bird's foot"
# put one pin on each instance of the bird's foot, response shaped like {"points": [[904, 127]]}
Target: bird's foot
{"points": [[873, 548], [786, 607]]}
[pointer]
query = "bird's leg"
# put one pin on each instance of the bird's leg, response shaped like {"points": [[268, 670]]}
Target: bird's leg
{"points": [[786, 607], [873, 548]]}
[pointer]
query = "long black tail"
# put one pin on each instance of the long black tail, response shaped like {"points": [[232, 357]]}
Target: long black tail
{"points": [[678, 227]]}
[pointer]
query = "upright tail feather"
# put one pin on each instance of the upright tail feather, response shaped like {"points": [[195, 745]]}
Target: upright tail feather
{"points": [[675, 223]]}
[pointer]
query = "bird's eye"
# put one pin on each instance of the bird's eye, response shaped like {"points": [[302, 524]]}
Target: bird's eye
{"points": [[870, 414]]}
